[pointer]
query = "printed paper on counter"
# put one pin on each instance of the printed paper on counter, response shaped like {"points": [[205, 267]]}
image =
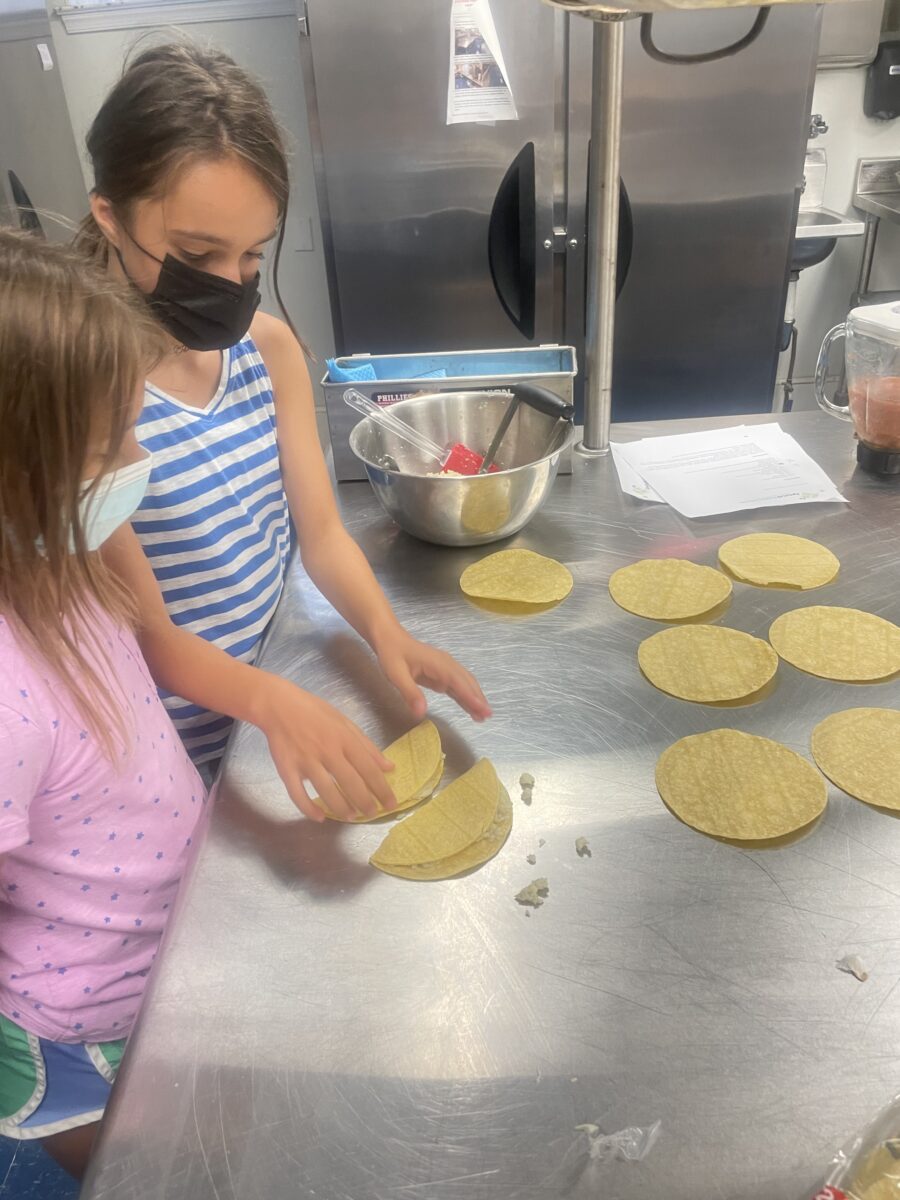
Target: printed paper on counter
{"points": [[479, 88], [729, 470], [631, 483]]}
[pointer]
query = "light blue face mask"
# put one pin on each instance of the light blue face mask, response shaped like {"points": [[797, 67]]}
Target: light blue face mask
{"points": [[114, 501]]}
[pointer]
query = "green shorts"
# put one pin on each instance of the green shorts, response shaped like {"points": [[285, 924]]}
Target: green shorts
{"points": [[48, 1087]]}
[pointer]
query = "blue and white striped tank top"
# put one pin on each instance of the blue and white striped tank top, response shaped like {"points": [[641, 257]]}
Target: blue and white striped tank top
{"points": [[214, 522]]}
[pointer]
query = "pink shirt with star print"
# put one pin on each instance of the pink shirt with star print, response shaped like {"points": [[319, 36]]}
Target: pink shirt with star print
{"points": [[91, 851]]}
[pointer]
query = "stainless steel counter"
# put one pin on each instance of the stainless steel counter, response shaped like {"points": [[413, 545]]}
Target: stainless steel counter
{"points": [[878, 196], [884, 205], [878, 188], [316, 1029]]}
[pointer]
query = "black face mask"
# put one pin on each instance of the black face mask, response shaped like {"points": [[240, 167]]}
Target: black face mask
{"points": [[203, 311]]}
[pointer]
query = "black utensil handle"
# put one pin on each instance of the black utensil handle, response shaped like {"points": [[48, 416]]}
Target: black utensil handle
{"points": [[546, 402], [505, 421]]}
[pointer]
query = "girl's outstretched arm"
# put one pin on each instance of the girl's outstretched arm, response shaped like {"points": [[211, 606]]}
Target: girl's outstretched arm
{"points": [[330, 556], [308, 739]]}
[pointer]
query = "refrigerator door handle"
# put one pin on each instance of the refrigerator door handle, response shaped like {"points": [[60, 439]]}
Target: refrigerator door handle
{"points": [[27, 214], [626, 237], [512, 238]]}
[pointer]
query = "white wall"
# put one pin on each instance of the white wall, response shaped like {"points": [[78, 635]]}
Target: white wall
{"points": [[824, 292], [89, 64], [35, 136]]}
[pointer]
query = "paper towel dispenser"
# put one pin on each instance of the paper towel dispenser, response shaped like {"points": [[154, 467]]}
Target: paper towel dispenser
{"points": [[882, 96]]}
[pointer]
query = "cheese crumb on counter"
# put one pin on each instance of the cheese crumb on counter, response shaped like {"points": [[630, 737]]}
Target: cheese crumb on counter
{"points": [[851, 965], [534, 894]]}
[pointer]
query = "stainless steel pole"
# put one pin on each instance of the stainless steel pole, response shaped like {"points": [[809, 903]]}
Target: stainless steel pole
{"points": [[868, 254], [603, 229]]}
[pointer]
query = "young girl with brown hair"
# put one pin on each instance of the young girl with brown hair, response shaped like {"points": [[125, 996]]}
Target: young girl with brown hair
{"points": [[191, 186], [99, 801]]}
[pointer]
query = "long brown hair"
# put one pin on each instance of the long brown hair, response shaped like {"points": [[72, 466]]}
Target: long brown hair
{"points": [[174, 105], [74, 348]]}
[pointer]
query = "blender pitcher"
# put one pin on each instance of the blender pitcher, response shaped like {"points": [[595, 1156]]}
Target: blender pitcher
{"points": [[872, 362]]}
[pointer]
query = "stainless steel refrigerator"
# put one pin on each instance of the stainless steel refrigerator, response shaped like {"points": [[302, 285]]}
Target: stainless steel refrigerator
{"points": [[473, 235], [41, 182]]}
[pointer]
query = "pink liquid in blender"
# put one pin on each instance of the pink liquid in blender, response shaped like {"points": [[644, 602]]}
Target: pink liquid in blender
{"points": [[875, 408]]}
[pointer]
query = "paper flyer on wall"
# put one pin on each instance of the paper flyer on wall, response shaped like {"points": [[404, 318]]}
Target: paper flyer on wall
{"points": [[479, 87]]}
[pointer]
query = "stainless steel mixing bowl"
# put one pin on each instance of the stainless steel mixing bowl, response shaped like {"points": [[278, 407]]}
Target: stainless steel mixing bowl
{"points": [[468, 510]]}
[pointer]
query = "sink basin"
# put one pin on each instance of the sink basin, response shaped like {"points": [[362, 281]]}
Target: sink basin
{"points": [[808, 219], [822, 223]]}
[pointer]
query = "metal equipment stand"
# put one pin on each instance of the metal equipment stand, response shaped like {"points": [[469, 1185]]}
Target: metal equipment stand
{"points": [[603, 228], [603, 192]]}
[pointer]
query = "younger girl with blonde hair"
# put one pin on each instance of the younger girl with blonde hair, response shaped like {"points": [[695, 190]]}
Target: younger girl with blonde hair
{"points": [[99, 802]]}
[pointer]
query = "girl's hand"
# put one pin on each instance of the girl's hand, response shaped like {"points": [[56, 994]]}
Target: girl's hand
{"points": [[408, 663], [311, 741]]}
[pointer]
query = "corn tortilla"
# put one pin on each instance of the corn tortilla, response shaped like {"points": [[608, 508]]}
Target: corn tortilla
{"points": [[519, 576], [707, 663], [838, 643], [485, 507], [451, 822], [418, 766], [779, 560], [736, 785], [668, 589], [859, 751], [474, 855]]}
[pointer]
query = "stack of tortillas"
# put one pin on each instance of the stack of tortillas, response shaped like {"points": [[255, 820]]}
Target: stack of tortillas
{"points": [[461, 828], [875, 1174], [418, 766]]}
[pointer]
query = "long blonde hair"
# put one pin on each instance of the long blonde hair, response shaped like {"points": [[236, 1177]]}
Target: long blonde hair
{"points": [[74, 348]]}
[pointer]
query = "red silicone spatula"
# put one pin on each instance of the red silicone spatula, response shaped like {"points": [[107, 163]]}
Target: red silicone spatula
{"points": [[457, 459]]}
